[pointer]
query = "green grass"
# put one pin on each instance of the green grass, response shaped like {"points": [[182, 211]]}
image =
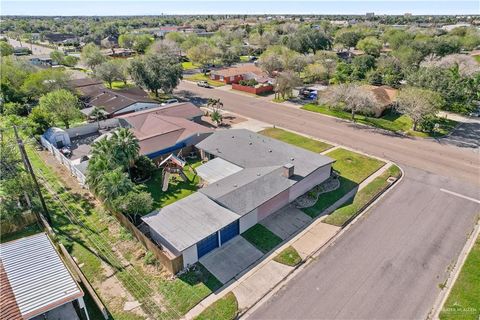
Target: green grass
{"points": [[464, 299], [390, 121], [25, 232], [289, 257], [189, 65], [477, 58], [262, 238], [189, 289], [225, 308], [353, 169], [296, 139], [116, 85], [201, 77], [177, 188], [244, 58], [354, 166], [340, 216]]}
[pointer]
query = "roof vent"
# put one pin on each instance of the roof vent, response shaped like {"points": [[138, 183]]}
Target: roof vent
{"points": [[235, 185], [292, 159], [270, 150], [250, 143], [233, 137]]}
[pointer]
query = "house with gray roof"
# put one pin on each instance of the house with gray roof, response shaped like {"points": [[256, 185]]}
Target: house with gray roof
{"points": [[247, 177]]}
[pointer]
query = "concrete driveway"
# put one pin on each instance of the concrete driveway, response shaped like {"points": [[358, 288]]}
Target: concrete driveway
{"points": [[286, 221], [231, 259]]}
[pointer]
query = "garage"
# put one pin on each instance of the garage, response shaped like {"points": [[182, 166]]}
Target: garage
{"points": [[206, 245], [229, 232]]}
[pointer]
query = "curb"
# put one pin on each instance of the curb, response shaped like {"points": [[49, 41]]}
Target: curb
{"points": [[453, 276], [305, 262]]}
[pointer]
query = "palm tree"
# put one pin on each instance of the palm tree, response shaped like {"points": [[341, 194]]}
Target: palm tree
{"points": [[98, 114], [113, 184], [217, 106], [127, 147]]}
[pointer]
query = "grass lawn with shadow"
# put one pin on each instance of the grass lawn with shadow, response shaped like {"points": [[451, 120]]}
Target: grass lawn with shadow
{"points": [[177, 188], [25, 232], [262, 238], [289, 256], [353, 168], [352, 207], [296, 139], [390, 121], [225, 308], [190, 288]]}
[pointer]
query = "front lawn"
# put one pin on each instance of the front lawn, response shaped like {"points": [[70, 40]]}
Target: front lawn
{"points": [[296, 139], [201, 77], [190, 288], [262, 238], [289, 256], [464, 299], [177, 188], [361, 198], [353, 168], [389, 121], [225, 308], [188, 65], [117, 85]]}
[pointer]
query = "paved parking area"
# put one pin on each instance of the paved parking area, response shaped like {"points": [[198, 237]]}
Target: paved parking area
{"points": [[286, 221], [231, 259]]}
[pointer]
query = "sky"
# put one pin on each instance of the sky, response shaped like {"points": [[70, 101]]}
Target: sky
{"points": [[157, 7]]}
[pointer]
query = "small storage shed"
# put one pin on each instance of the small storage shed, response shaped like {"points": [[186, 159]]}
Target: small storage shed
{"points": [[57, 137]]}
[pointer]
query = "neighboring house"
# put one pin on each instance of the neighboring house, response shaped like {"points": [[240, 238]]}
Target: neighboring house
{"points": [[109, 42], [249, 177], [167, 129], [118, 53], [61, 38], [160, 131], [385, 96], [41, 61], [238, 73], [35, 282], [114, 102]]}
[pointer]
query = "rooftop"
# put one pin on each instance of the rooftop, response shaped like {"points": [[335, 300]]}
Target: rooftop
{"points": [[189, 220], [240, 70], [38, 278]]}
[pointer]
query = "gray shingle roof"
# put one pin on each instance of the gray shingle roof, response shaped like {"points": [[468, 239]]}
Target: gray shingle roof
{"points": [[244, 191], [248, 149], [189, 220]]}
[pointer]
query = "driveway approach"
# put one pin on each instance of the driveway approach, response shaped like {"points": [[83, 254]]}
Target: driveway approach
{"points": [[390, 263]]}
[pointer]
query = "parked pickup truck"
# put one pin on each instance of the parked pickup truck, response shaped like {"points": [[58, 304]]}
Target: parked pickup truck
{"points": [[203, 84]]}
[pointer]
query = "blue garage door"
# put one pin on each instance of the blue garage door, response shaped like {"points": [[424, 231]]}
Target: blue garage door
{"points": [[206, 245], [229, 232]]}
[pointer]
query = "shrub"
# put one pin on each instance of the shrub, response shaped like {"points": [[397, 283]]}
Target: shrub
{"points": [[248, 83], [143, 169]]}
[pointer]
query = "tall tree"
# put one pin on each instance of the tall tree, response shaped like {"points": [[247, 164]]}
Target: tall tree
{"points": [[92, 56], [418, 104], [62, 104], [370, 45], [156, 72], [108, 71], [285, 82], [127, 147]]}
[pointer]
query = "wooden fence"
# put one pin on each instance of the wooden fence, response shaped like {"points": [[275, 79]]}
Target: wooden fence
{"points": [[171, 263]]}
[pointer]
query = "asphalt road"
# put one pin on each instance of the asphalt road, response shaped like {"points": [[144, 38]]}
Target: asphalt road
{"points": [[390, 264], [444, 158]]}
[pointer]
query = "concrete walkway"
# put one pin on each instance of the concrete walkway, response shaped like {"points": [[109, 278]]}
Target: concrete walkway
{"points": [[252, 285], [286, 221]]}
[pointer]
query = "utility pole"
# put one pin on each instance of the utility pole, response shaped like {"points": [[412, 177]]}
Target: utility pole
{"points": [[29, 168]]}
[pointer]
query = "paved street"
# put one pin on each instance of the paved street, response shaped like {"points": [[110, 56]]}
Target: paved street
{"points": [[390, 264]]}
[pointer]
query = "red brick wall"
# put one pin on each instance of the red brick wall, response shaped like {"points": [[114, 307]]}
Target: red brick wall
{"points": [[252, 90]]}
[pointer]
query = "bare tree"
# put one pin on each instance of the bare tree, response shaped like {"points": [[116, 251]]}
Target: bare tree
{"points": [[285, 83], [467, 66], [353, 98], [418, 104]]}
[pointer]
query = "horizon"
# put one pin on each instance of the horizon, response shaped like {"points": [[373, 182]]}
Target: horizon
{"points": [[125, 8]]}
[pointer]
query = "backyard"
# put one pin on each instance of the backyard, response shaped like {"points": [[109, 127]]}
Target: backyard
{"points": [[390, 121], [177, 188], [102, 248]]}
